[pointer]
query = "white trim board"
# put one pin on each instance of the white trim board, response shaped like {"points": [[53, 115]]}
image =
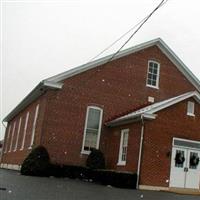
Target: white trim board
{"points": [[10, 166], [54, 81], [153, 108], [158, 42]]}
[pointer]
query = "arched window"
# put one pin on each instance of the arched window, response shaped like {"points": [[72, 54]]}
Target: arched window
{"points": [[92, 128]]}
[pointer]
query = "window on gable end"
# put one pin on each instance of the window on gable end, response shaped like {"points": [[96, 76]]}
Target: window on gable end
{"points": [[153, 74], [190, 108]]}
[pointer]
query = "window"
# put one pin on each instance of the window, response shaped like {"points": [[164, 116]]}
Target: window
{"points": [[190, 108], [153, 74], [92, 129], [25, 127], [18, 131], [179, 158], [34, 125], [194, 160], [7, 139], [12, 136], [123, 147]]}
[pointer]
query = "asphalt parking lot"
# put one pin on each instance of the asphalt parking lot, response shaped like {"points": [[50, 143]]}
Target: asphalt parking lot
{"points": [[14, 186]]}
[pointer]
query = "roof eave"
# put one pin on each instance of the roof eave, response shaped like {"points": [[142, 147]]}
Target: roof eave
{"points": [[131, 119], [179, 63], [40, 89], [158, 41], [103, 60]]}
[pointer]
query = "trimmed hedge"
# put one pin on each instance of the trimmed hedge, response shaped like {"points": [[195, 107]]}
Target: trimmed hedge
{"points": [[37, 163], [95, 159], [114, 178], [69, 171], [105, 177]]}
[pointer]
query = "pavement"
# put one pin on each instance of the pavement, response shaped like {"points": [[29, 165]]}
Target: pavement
{"points": [[14, 186]]}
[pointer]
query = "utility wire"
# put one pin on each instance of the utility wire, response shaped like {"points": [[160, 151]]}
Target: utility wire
{"points": [[132, 28], [117, 40], [140, 26]]}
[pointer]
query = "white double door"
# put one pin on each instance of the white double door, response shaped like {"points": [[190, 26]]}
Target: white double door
{"points": [[185, 174]]}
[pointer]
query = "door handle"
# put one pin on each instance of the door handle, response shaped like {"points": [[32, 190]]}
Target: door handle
{"points": [[186, 169]]}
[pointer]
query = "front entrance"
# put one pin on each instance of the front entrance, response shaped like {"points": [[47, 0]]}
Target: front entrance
{"points": [[185, 164]]}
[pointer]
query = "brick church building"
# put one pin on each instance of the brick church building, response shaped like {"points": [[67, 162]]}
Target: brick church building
{"points": [[142, 110]]}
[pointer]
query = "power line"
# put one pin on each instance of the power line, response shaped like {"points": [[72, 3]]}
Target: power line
{"points": [[140, 26], [132, 28]]}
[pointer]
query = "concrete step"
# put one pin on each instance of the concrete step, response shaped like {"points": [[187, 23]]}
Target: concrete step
{"points": [[185, 191]]}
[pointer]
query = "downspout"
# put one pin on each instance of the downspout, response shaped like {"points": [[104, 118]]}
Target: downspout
{"points": [[140, 152]]}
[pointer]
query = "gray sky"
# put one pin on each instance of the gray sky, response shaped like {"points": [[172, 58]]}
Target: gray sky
{"points": [[43, 38]]}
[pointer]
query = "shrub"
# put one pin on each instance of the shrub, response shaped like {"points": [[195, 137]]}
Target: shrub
{"points": [[95, 160], [69, 171], [105, 177], [116, 179], [36, 163]]}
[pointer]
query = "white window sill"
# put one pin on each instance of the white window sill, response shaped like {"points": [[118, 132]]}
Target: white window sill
{"points": [[85, 152], [191, 114], [121, 163], [151, 86]]}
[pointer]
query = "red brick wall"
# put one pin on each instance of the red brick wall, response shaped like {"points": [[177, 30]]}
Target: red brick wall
{"points": [[16, 157], [112, 146], [115, 87], [158, 136]]}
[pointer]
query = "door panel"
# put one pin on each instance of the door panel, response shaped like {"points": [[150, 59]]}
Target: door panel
{"points": [[193, 174], [178, 165]]}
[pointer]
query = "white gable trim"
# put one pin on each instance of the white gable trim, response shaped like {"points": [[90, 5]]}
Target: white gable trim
{"points": [[148, 112], [33, 95], [54, 81], [158, 42]]}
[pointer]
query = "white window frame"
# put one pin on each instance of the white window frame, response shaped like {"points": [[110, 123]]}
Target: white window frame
{"points": [[12, 136], [120, 161], [18, 131], [186, 140], [99, 131], [34, 125], [158, 75], [190, 107], [25, 129], [7, 139]]}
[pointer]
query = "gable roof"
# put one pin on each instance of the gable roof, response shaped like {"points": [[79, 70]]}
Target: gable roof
{"points": [[158, 42], [55, 82], [149, 111]]}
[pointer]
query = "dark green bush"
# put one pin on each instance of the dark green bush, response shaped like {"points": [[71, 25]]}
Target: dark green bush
{"points": [[104, 177], [69, 171], [37, 163], [114, 178], [95, 160]]}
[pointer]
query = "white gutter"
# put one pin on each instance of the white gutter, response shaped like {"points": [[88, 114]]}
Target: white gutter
{"points": [[52, 84], [34, 94], [140, 152]]}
